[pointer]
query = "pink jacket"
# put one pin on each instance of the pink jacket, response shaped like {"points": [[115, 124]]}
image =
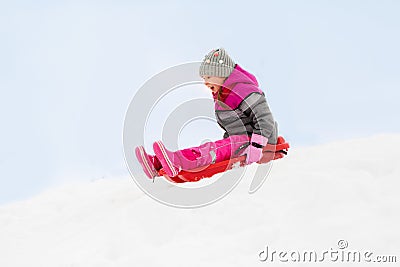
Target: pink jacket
{"points": [[245, 110]]}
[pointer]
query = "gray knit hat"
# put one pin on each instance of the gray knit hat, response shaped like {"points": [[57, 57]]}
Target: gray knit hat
{"points": [[217, 63]]}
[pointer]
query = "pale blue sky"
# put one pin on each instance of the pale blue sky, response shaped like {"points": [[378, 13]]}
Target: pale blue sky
{"points": [[68, 70]]}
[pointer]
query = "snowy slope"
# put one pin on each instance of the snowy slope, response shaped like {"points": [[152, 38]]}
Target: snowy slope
{"points": [[313, 198]]}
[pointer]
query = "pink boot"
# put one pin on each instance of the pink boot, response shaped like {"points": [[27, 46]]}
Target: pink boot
{"points": [[195, 157], [150, 164]]}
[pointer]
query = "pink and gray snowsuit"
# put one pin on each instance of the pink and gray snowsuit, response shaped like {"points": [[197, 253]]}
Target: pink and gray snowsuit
{"points": [[243, 112]]}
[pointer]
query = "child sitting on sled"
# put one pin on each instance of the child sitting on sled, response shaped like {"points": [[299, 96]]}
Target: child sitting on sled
{"points": [[241, 110]]}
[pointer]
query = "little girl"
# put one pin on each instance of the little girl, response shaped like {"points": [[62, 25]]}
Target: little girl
{"points": [[241, 111]]}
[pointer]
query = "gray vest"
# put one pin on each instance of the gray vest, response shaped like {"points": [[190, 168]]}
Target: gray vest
{"points": [[252, 115]]}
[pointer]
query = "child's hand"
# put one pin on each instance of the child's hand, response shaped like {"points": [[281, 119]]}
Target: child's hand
{"points": [[254, 154], [254, 150]]}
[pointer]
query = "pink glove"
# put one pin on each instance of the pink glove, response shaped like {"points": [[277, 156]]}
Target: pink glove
{"points": [[254, 150]]}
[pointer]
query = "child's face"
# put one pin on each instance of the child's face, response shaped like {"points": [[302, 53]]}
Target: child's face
{"points": [[214, 83]]}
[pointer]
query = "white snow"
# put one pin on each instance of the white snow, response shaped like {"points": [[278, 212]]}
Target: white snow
{"points": [[312, 198]]}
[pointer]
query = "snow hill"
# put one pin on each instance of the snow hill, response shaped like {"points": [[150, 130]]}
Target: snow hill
{"points": [[316, 196]]}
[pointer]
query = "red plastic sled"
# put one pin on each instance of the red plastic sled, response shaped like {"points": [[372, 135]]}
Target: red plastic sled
{"points": [[270, 152]]}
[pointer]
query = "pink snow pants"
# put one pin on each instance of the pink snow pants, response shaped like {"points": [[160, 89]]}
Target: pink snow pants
{"points": [[212, 152]]}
